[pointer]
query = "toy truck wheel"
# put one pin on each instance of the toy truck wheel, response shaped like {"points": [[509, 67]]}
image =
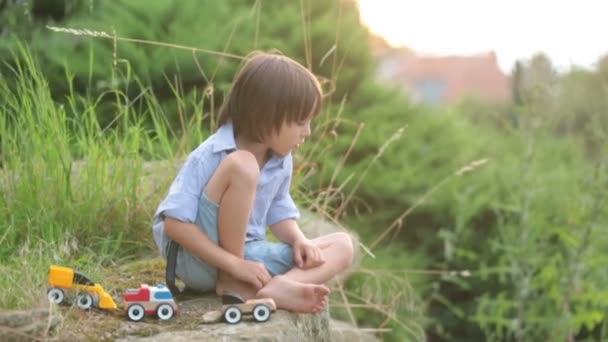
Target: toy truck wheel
{"points": [[56, 295], [136, 312], [84, 301], [261, 313], [232, 314], [164, 311]]}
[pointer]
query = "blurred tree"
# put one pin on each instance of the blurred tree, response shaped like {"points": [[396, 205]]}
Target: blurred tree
{"points": [[581, 106], [56, 10], [538, 80], [602, 67], [22, 17], [516, 83]]}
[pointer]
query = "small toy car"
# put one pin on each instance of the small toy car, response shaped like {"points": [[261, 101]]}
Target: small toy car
{"points": [[235, 307], [150, 300], [65, 284]]}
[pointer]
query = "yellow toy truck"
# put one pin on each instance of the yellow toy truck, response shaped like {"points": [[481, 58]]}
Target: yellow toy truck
{"points": [[65, 284]]}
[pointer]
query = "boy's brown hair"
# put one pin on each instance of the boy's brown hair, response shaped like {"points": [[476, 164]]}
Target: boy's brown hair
{"points": [[270, 89]]}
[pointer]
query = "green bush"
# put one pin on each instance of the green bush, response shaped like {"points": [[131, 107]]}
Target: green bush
{"points": [[524, 225], [231, 27]]}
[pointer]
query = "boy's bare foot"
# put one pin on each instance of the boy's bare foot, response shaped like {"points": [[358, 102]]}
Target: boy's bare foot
{"points": [[294, 296]]}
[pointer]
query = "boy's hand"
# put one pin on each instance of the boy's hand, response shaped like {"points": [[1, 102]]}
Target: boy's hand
{"points": [[306, 255], [251, 272]]}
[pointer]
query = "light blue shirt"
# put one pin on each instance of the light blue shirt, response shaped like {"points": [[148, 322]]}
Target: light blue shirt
{"points": [[272, 204]]}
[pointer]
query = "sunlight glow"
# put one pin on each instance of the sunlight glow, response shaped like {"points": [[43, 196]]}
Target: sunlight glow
{"points": [[568, 31]]}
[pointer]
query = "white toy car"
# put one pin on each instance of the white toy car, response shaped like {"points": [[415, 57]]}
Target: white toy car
{"points": [[235, 307]]}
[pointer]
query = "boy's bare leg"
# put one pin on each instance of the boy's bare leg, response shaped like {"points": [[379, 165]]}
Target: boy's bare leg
{"points": [[294, 296], [233, 187], [287, 294], [337, 251], [300, 290]]}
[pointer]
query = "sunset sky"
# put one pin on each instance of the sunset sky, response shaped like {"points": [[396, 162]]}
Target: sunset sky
{"points": [[568, 31]]}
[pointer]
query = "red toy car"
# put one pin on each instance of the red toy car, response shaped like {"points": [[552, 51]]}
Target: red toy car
{"points": [[150, 300]]}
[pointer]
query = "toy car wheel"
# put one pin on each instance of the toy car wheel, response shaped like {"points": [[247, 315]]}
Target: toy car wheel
{"points": [[164, 311], [136, 312], [261, 313], [84, 301], [56, 295], [232, 315]]}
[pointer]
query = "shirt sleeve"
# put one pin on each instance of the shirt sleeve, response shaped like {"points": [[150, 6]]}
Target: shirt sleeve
{"points": [[283, 206], [184, 195]]}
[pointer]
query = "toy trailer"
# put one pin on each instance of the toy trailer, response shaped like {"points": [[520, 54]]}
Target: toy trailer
{"points": [[150, 300], [64, 282], [235, 307]]}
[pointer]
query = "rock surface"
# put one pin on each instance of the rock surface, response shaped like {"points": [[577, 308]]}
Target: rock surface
{"points": [[27, 325], [282, 326]]}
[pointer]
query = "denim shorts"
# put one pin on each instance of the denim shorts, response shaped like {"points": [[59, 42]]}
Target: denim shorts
{"points": [[197, 275]]}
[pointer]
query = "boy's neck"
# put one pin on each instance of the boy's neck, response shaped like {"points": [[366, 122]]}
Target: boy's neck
{"points": [[261, 152]]}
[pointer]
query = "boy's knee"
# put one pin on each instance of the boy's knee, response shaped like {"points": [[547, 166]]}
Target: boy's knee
{"points": [[345, 243], [243, 167]]}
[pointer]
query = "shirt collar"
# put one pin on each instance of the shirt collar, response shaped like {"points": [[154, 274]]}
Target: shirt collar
{"points": [[224, 138], [224, 141]]}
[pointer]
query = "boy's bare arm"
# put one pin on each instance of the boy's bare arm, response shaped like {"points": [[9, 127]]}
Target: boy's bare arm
{"points": [[287, 231], [190, 237]]}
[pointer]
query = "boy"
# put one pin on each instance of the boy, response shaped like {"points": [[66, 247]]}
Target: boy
{"points": [[236, 184]]}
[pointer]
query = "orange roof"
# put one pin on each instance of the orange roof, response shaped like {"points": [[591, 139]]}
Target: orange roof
{"points": [[454, 77]]}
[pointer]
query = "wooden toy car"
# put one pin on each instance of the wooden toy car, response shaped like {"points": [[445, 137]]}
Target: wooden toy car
{"points": [[65, 284], [235, 307], [150, 300]]}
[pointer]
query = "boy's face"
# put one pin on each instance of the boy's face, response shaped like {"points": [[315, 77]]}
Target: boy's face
{"points": [[291, 135]]}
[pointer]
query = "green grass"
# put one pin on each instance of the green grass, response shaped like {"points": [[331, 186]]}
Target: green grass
{"points": [[73, 192]]}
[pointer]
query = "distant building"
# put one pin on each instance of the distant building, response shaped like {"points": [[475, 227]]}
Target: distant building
{"points": [[445, 79]]}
